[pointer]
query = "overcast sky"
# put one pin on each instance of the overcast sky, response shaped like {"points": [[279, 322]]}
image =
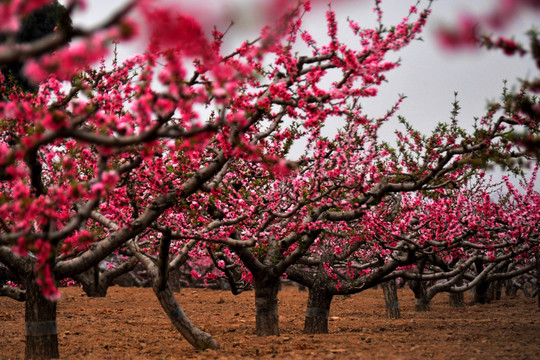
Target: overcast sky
{"points": [[428, 75]]}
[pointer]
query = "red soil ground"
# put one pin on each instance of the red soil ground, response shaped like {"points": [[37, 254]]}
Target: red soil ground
{"points": [[129, 324]]}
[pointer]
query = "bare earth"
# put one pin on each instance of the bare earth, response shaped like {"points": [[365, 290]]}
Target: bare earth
{"points": [[129, 324]]}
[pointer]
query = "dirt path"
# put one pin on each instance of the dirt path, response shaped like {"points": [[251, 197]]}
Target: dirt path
{"points": [[129, 324]]}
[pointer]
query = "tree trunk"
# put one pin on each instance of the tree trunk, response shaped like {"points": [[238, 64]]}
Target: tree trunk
{"points": [[491, 291], [523, 287], [511, 289], [266, 305], [498, 290], [481, 293], [95, 283], [175, 280], [537, 255], [318, 308], [391, 299], [95, 290], [457, 299], [40, 323], [91, 282], [195, 336], [422, 302]]}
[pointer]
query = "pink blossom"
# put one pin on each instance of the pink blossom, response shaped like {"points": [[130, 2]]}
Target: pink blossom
{"points": [[465, 34]]}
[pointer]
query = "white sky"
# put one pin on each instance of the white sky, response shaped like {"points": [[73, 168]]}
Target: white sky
{"points": [[428, 76]]}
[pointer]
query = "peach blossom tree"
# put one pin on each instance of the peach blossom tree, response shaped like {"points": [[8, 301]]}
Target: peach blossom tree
{"points": [[183, 150]]}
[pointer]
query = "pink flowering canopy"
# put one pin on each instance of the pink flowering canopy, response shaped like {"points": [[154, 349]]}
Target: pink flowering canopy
{"points": [[74, 146], [124, 140], [186, 140]]}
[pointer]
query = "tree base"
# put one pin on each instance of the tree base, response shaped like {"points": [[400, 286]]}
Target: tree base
{"points": [[391, 299], [316, 321], [422, 305], [195, 336], [41, 328], [456, 300], [266, 305]]}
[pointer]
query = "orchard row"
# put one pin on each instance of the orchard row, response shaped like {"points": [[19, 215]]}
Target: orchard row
{"points": [[183, 156]]}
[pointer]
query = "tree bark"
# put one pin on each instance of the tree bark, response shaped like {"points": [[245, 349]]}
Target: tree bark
{"points": [[195, 336], [91, 282], [175, 280], [494, 291], [12, 292], [537, 255], [457, 299], [510, 289], [497, 290], [318, 309], [419, 290], [266, 304], [391, 299], [40, 321], [95, 282], [481, 293]]}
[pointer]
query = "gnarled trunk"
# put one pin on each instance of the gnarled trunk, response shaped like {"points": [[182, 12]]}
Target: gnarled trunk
{"points": [[194, 335], [266, 304], [95, 283], [91, 282], [95, 290], [318, 309], [159, 274], [391, 299], [40, 323]]}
